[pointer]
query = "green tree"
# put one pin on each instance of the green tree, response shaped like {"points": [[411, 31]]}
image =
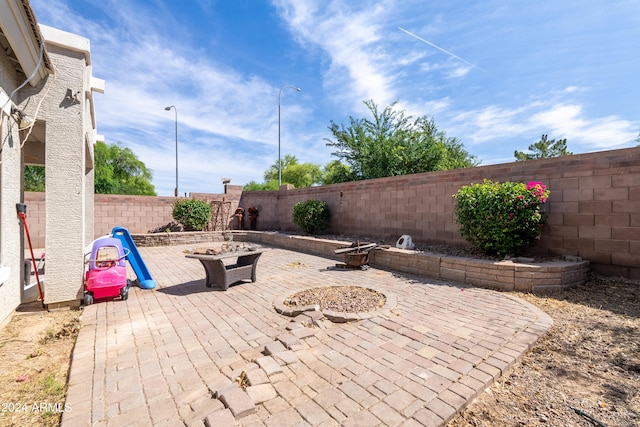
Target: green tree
{"points": [[299, 174], [543, 149], [119, 171], [256, 186], [34, 178], [302, 175], [392, 143], [335, 172]]}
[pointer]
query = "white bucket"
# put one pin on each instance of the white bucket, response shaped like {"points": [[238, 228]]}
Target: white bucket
{"points": [[405, 242]]}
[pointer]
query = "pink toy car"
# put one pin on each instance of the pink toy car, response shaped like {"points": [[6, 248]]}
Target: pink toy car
{"points": [[107, 273]]}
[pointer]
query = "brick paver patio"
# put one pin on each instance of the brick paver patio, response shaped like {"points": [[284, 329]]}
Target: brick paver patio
{"points": [[175, 355]]}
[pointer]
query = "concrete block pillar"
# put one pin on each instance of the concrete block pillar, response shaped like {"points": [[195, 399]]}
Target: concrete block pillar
{"points": [[66, 187]]}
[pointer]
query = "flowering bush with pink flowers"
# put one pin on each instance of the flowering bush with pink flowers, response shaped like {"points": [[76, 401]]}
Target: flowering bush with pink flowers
{"points": [[501, 218]]}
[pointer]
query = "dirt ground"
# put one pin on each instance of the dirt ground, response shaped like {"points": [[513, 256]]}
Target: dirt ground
{"points": [[35, 352], [589, 362], [584, 372]]}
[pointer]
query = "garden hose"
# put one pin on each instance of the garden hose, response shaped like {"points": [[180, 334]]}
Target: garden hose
{"points": [[22, 213], [587, 416]]}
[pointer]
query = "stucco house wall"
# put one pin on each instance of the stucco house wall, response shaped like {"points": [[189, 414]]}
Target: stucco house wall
{"points": [[21, 56], [58, 100], [10, 175], [70, 139]]}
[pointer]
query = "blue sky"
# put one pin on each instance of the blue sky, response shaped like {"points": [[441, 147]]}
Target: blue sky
{"points": [[495, 74]]}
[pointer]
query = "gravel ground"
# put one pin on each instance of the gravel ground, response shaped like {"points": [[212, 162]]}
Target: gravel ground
{"points": [[350, 299]]}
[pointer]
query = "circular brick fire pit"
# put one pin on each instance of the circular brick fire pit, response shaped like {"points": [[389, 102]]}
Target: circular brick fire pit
{"points": [[337, 303]]}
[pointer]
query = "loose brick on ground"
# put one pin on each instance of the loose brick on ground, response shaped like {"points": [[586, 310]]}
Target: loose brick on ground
{"points": [[257, 376], [269, 364], [238, 402], [274, 347], [261, 393], [219, 385], [223, 418], [288, 339]]}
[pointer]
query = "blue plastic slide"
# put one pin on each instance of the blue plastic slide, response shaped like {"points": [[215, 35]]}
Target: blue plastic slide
{"points": [[145, 281]]}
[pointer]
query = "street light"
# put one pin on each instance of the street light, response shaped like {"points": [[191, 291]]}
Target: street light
{"points": [[279, 161], [175, 193]]}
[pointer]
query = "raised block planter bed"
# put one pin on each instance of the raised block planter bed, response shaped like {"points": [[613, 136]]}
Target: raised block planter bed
{"points": [[177, 238], [504, 275]]}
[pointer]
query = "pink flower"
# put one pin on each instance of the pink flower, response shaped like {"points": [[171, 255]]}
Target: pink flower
{"points": [[538, 189]]}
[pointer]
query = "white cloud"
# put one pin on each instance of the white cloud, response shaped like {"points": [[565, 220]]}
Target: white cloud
{"points": [[458, 72], [226, 118], [360, 68], [495, 124], [347, 51], [559, 118]]}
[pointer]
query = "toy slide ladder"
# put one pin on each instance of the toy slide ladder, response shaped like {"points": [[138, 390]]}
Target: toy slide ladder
{"points": [[145, 281]]}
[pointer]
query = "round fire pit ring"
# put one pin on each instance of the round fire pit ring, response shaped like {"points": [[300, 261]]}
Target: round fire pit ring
{"points": [[338, 303]]}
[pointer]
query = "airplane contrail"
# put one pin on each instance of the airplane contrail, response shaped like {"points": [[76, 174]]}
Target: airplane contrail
{"points": [[439, 48]]}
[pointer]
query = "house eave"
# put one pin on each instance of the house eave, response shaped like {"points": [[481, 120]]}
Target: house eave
{"points": [[19, 27]]}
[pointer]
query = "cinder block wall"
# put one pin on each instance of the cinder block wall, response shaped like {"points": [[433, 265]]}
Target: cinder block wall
{"points": [[594, 207], [139, 214], [35, 218]]}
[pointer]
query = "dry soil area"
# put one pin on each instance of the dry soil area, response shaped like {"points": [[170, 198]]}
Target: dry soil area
{"points": [[35, 352], [584, 371]]}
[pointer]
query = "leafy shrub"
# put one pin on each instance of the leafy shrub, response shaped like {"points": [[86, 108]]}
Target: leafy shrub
{"points": [[312, 216], [193, 214], [501, 218]]}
